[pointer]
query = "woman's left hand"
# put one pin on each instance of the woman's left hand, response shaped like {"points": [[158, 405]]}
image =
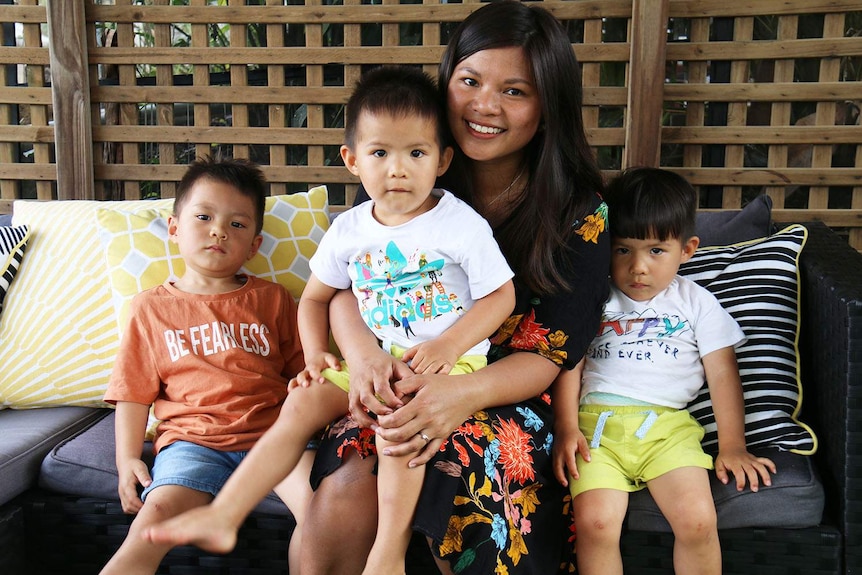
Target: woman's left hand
{"points": [[438, 406]]}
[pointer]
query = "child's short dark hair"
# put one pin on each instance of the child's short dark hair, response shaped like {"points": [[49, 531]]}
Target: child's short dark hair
{"points": [[397, 91], [245, 175], [651, 202]]}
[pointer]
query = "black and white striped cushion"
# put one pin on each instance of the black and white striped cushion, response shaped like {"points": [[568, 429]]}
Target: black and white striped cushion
{"points": [[757, 282], [12, 242]]}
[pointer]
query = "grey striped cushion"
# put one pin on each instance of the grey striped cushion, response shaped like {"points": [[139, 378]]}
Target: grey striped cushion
{"points": [[12, 243], [757, 283]]}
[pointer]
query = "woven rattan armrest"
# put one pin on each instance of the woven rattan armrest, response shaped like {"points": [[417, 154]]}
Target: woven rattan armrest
{"points": [[831, 361]]}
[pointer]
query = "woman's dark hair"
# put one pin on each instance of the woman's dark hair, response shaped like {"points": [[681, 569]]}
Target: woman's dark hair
{"points": [[651, 203], [563, 175], [244, 175]]}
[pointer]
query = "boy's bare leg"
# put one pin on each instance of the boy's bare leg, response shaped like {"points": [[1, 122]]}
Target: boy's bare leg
{"points": [[599, 515], [137, 556], [398, 488], [214, 527], [295, 491], [684, 497]]}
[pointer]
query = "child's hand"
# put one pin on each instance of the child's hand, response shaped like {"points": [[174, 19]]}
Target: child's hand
{"points": [[568, 442], [132, 473], [431, 357], [742, 464], [314, 364]]}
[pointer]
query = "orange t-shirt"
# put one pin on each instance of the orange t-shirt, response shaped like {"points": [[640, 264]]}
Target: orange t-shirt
{"points": [[215, 367]]}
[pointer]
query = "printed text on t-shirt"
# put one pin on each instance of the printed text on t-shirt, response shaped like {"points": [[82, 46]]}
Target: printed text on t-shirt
{"points": [[217, 337]]}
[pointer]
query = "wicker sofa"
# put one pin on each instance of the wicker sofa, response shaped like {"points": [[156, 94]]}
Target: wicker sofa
{"points": [[46, 529]]}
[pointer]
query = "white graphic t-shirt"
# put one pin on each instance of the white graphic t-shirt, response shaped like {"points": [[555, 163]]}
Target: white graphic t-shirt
{"points": [[651, 351], [414, 280]]}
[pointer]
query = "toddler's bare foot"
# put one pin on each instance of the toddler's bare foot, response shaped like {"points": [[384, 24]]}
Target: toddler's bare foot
{"points": [[202, 527]]}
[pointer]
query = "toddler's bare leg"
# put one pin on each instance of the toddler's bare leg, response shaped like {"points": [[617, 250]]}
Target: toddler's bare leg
{"points": [[599, 515], [137, 556], [295, 491], [398, 488], [684, 497], [274, 456]]}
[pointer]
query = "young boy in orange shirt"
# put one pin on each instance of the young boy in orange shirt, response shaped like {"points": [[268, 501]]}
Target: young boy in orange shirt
{"points": [[212, 352]]}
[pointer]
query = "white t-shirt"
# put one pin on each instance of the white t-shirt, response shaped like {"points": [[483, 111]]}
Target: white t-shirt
{"points": [[651, 351], [414, 280]]}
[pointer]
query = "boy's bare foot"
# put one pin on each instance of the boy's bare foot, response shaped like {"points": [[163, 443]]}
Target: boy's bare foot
{"points": [[202, 527]]}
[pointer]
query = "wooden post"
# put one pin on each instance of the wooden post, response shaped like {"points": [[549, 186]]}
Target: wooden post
{"points": [[70, 89], [646, 83]]}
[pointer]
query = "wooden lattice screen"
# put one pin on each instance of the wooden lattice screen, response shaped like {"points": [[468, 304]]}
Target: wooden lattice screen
{"points": [[111, 100]]}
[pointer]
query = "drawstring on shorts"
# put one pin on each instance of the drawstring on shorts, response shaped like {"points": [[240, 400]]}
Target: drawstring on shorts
{"points": [[651, 417]]}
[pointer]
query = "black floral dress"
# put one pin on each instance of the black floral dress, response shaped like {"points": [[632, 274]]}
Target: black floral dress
{"points": [[490, 502]]}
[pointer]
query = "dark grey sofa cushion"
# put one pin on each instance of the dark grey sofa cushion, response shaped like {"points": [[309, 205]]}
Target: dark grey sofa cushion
{"points": [[27, 435], [795, 499], [733, 226], [84, 465]]}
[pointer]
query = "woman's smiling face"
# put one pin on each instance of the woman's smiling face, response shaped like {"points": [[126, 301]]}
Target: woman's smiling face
{"points": [[493, 104]]}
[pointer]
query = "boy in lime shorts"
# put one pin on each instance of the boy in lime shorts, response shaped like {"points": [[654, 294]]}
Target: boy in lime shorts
{"points": [[661, 335]]}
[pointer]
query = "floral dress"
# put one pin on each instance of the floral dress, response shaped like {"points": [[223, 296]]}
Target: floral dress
{"points": [[490, 502]]}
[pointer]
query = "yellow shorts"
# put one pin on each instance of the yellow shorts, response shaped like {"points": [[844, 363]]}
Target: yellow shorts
{"points": [[465, 364], [636, 444]]}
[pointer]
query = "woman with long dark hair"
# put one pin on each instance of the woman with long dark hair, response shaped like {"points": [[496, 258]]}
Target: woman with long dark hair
{"points": [[490, 503]]}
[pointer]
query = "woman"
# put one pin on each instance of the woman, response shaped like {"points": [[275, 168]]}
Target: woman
{"points": [[490, 502]]}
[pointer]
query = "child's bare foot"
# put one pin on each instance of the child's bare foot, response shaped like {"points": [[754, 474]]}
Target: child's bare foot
{"points": [[202, 527]]}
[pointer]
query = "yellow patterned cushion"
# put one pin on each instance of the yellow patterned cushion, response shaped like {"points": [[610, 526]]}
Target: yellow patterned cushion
{"points": [[140, 255], [59, 328]]}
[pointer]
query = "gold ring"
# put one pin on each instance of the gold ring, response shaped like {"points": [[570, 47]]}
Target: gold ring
{"points": [[425, 437]]}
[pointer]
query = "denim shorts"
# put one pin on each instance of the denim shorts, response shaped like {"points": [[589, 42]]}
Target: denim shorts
{"points": [[193, 466]]}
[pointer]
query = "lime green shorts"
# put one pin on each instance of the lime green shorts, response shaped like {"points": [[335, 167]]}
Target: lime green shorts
{"points": [[465, 364], [633, 444]]}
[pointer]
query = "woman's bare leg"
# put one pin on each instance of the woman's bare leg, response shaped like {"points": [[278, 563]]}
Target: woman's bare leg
{"points": [[342, 515]]}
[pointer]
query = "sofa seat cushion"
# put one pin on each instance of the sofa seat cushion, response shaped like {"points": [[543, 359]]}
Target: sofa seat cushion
{"points": [[28, 435], [84, 465], [794, 500]]}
